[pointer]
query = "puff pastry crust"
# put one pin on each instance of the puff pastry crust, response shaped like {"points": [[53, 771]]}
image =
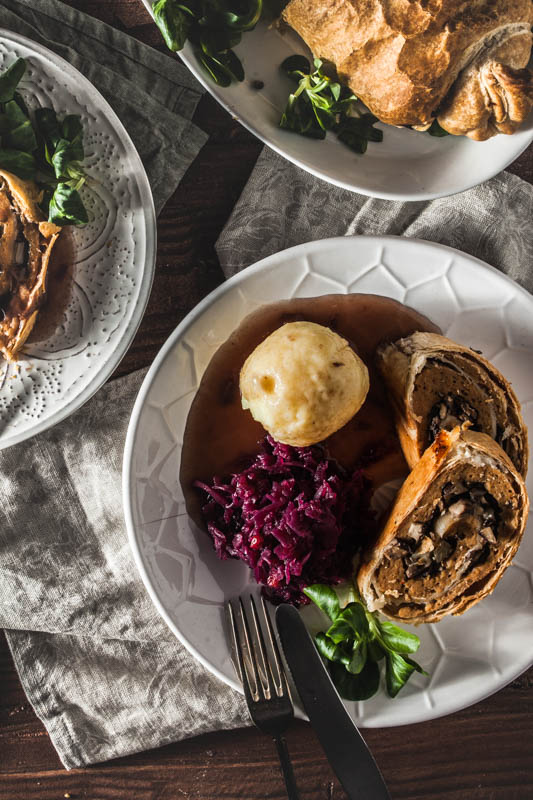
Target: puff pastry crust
{"points": [[435, 383], [412, 61], [454, 528]]}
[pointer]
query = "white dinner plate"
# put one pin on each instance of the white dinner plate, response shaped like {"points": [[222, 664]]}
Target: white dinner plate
{"points": [[114, 256], [407, 165], [468, 657]]}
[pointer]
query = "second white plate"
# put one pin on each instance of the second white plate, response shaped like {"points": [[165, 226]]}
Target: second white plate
{"points": [[113, 255], [407, 165]]}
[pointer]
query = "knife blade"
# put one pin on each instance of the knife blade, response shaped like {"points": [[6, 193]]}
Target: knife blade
{"points": [[345, 748]]}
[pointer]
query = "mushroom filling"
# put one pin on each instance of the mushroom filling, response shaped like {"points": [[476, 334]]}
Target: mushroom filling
{"points": [[14, 246], [464, 522], [449, 411]]}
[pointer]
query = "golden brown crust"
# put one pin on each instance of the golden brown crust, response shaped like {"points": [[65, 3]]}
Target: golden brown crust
{"points": [[438, 465], [494, 94], [23, 284], [402, 365], [402, 57]]}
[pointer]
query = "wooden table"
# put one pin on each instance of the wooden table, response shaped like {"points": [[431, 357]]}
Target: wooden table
{"points": [[482, 753]]}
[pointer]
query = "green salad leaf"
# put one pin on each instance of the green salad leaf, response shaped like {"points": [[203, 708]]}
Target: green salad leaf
{"points": [[17, 162], [320, 104], [66, 206], [214, 28], [437, 130], [356, 687], [16, 128], [174, 20], [10, 79], [44, 148], [326, 598], [357, 640]]}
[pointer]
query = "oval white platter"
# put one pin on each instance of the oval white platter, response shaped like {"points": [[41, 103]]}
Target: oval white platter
{"points": [[114, 256], [407, 165], [468, 657]]}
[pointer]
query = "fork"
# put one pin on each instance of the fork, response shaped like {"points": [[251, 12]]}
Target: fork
{"points": [[263, 679]]}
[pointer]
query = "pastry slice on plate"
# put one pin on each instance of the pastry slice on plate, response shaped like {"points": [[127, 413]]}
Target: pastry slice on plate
{"points": [[455, 526], [26, 243], [436, 384], [463, 63]]}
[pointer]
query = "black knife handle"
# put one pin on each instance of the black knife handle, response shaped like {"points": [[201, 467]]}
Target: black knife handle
{"points": [[286, 766]]}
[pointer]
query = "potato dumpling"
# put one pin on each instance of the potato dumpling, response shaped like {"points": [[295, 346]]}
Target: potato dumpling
{"points": [[303, 383]]}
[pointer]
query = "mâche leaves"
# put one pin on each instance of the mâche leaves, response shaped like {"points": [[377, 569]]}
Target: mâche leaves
{"points": [[47, 124], [174, 20], [399, 670], [325, 598], [66, 155], [359, 657], [436, 130], [320, 104], [330, 650], [397, 639], [10, 79], [214, 27], [66, 206], [350, 623], [16, 128], [43, 148], [19, 163], [357, 640], [355, 687]]}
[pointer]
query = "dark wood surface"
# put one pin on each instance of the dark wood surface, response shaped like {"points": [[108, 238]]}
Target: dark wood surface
{"points": [[482, 753]]}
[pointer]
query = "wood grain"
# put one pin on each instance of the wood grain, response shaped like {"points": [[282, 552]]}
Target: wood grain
{"points": [[482, 753]]}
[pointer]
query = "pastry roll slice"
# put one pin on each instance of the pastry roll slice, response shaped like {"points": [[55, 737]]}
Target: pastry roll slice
{"points": [[436, 384], [455, 526], [26, 242]]}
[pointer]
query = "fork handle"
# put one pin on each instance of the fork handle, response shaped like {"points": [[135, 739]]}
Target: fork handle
{"points": [[286, 766]]}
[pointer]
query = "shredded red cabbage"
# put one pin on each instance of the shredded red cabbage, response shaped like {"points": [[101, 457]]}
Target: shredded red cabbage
{"points": [[295, 516]]}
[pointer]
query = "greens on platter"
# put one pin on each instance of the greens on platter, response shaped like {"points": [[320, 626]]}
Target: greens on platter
{"points": [[214, 28], [436, 130], [320, 104], [44, 148], [357, 640]]}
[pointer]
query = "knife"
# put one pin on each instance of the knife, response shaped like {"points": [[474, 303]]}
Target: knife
{"points": [[344, 746]]}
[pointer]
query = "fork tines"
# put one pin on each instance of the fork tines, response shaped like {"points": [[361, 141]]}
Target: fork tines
{"points": [[257, 663]]}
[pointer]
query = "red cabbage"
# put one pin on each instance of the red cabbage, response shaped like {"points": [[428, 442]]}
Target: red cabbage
{"points": [[294, 515]]}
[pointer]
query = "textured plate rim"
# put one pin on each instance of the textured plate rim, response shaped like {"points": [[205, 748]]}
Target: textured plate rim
{"points": [[106, 366], [188, 59], [127, 477]]}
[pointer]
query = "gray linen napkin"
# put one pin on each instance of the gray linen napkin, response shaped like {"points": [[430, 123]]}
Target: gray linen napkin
{"points": [[102, 671], [283, 206]]}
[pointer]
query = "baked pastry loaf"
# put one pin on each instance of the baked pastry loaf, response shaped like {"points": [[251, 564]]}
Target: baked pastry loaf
{"points": [[26, 243], [455, 526], [461, 61], [436, 384]]}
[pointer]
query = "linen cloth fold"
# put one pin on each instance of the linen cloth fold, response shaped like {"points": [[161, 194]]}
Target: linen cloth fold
{"points": [[282, 206]]}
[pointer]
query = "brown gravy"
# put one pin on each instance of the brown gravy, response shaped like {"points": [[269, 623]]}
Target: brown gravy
{"points": [[58, 288], [220, 436]]}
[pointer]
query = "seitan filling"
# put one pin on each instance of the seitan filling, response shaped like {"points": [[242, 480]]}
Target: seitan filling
{"points": [[24, 252], [446, 394], [451, 542], [450, 411]]}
